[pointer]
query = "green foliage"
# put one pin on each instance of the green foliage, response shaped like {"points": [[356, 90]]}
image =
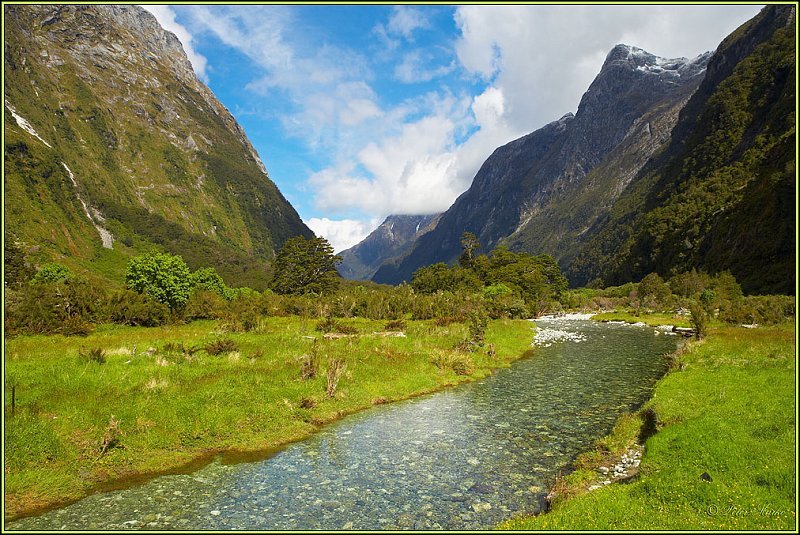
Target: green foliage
{"points": [[16, 269], [69, 307], [52, 272], [653, 292], [127, 307], [469, 246], [700, 318], [443, 278], [305, 266], [162, 276], [207, 278], [205, 304]]}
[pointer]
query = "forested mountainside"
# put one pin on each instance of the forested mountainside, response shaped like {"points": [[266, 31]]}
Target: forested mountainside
{"points": [[722, 195], [113, 146]]}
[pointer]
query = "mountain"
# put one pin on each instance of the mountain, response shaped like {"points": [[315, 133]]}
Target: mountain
{"points": [[544, 188], [668, 165], [113, 146], [388, 241], [722, 194]]}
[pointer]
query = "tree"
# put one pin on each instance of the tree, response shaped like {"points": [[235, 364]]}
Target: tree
{"points": [[162, 276], [306, 266], [653, 291], [16, 268], [469, 246], [441, 277]]}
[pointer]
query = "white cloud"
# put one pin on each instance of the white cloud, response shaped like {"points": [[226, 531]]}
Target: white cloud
{"points": [[166, 18], [343, 233], [405, 20], [416, 67]]}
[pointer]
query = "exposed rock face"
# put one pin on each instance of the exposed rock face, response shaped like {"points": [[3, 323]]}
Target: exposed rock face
{"points": [[384, 243], [719, 196], [625, 116], [113, 97]]}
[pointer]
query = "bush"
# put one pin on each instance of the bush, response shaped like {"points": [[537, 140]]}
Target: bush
{"points": [[127, 307], [395, 325], [68, 307], [51, 273], [205, 304]]}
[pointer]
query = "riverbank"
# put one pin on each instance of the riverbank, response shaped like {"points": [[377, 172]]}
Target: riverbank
{"points": [[720, 448], [127, 403]]}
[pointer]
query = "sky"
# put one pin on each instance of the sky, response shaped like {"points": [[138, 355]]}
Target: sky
{"points": [[363, 111]]}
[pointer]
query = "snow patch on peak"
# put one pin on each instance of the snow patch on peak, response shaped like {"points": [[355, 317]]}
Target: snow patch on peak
{"points": [[646, 62]]}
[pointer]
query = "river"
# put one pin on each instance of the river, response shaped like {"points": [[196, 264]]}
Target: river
{"points": [[464, 458]]}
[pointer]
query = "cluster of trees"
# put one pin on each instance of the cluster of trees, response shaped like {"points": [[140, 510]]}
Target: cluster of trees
{"points": [[517, 283], [161, 288]]}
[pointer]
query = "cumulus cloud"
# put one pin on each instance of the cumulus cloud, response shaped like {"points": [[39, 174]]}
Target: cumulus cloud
{"points": [[417, 67], [343, 233], [166, 18]]}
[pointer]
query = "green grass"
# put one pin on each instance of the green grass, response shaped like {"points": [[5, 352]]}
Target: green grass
{"points": [[729, 412], [653, 319], [175, 409]]}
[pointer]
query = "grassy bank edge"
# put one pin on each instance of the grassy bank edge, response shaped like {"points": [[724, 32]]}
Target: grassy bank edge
{"points": [[117, 477]]}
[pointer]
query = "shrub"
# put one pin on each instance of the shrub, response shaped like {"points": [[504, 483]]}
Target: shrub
{"points": [[127, 307], [52, 272], [330, 325], [68, 307], [205, 304]]}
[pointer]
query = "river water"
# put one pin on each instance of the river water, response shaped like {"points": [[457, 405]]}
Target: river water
{"points": [[464, 458]]}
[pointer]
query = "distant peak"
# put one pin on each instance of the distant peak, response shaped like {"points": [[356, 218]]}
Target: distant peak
{"points": [[643, 61]]}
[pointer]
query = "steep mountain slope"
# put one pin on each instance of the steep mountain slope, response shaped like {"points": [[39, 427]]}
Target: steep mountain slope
{"points": [[722, 194], [114, 145], [389, 240], [548, 186]]}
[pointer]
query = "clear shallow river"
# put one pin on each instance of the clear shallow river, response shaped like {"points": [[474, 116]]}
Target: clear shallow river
{"points": [[464, 458]]}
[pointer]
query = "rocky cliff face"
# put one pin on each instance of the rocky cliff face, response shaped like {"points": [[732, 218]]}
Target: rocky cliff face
{"points": [[539, 192], [720, 194], [108, 127], [386, 242]]}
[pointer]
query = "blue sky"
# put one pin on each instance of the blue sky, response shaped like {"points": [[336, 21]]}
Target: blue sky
{"points": [[359, 112]]}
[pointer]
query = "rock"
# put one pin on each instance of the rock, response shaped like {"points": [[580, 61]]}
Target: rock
{"points": [[348, 525], [594, 487], [706, 477], [603, 469], [216, 512], [480, 507]]}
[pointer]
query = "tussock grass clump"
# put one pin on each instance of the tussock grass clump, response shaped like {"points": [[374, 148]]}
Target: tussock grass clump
{"points": [[330, 325], [459, 363], [336, 368], [223, 345], [95, 354], [395, 325]]}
